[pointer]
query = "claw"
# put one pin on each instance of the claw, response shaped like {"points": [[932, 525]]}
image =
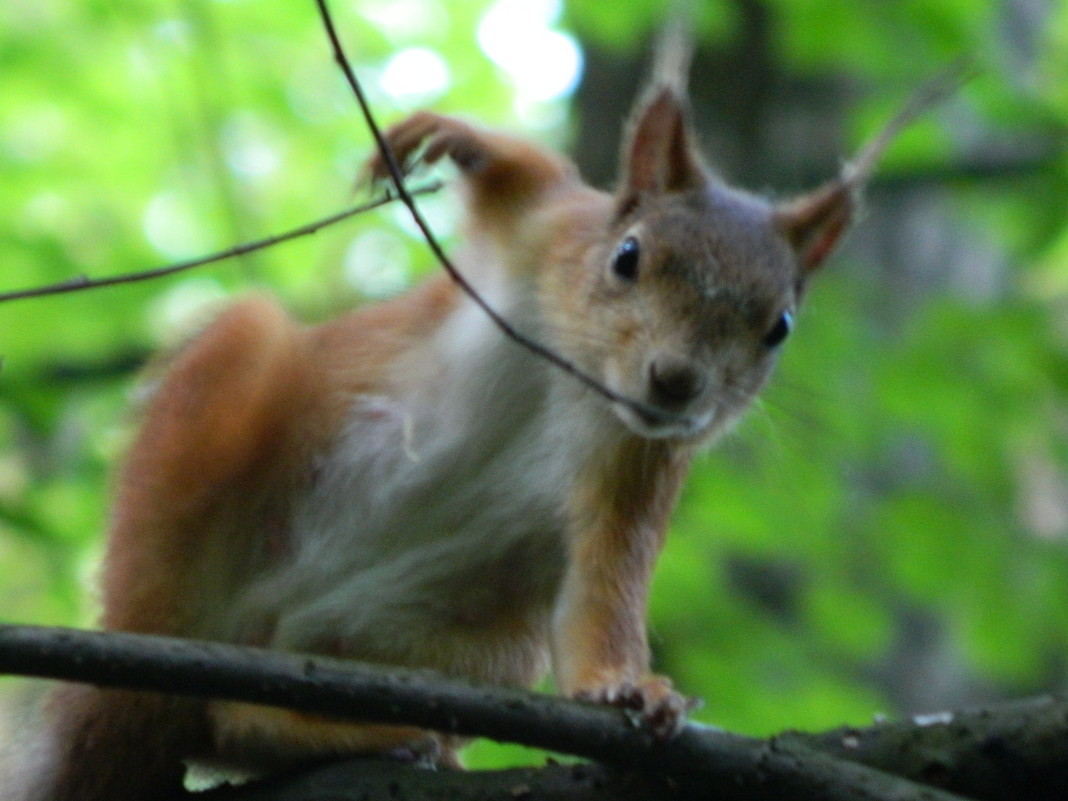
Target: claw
{"points": [[659, 709]]}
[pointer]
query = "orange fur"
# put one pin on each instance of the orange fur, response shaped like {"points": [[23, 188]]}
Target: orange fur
{"points": [[403, 485], [619, 516]]}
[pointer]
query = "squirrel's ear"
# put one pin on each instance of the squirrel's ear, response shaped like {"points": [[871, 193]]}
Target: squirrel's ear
{"points": [[659, 154], [814, 223]]}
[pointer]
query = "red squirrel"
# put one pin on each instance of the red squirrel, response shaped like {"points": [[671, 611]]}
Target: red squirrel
{"points": [[404, 485]]}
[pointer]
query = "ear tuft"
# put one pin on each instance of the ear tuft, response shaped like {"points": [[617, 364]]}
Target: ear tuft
{"points": [[814, 223], [659, 156]]}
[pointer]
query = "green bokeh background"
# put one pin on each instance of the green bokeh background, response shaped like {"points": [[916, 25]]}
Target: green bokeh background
{"points": [[887, 531]]}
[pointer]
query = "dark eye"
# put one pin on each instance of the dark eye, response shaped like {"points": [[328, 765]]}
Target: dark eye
{"points": [[779, 331], [625, 261]]}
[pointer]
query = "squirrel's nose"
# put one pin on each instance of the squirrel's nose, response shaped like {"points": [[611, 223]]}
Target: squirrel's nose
{"points": [[674, 380]]}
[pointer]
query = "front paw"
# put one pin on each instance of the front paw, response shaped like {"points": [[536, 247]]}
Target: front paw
{"points": [[656, 706], [427, 137]]}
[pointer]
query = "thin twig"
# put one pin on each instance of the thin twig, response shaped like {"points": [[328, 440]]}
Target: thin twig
{"points": [[84, 282], [397, 176]]}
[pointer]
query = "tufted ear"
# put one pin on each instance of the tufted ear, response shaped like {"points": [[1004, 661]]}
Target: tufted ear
{"points": [[814, 223], [659, 154]]}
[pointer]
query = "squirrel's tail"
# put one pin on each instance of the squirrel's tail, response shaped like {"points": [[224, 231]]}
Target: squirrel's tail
{"points": [[114, 745]]}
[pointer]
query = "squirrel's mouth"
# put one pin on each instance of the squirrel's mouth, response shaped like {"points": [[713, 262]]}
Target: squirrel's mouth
{"points": [[654, 422], [690, 415]]}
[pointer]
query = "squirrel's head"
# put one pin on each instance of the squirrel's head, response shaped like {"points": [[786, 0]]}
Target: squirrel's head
{"points": [[696, 287]]}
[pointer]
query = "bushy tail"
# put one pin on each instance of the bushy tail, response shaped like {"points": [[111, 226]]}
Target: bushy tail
{"points": [[114, 745]]}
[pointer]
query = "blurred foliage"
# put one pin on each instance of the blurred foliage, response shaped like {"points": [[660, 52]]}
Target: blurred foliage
{"points": [[888, 529]]}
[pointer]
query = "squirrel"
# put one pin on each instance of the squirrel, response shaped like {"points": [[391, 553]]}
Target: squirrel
{"points": [[404, 485]]}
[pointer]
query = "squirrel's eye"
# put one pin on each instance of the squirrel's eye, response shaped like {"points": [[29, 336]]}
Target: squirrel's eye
{"points": [[625, 261], [779, 331]]}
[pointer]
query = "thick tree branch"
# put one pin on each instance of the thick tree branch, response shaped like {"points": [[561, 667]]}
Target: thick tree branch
{"points": [[1005, 752], [381, 779], [841, 765]]}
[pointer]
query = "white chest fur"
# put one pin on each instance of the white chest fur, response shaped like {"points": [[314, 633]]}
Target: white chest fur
{"points": [[439, 515]]}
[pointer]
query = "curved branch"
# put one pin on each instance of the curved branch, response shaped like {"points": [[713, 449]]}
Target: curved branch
{"points": [[396, 175], [82, 282]]}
